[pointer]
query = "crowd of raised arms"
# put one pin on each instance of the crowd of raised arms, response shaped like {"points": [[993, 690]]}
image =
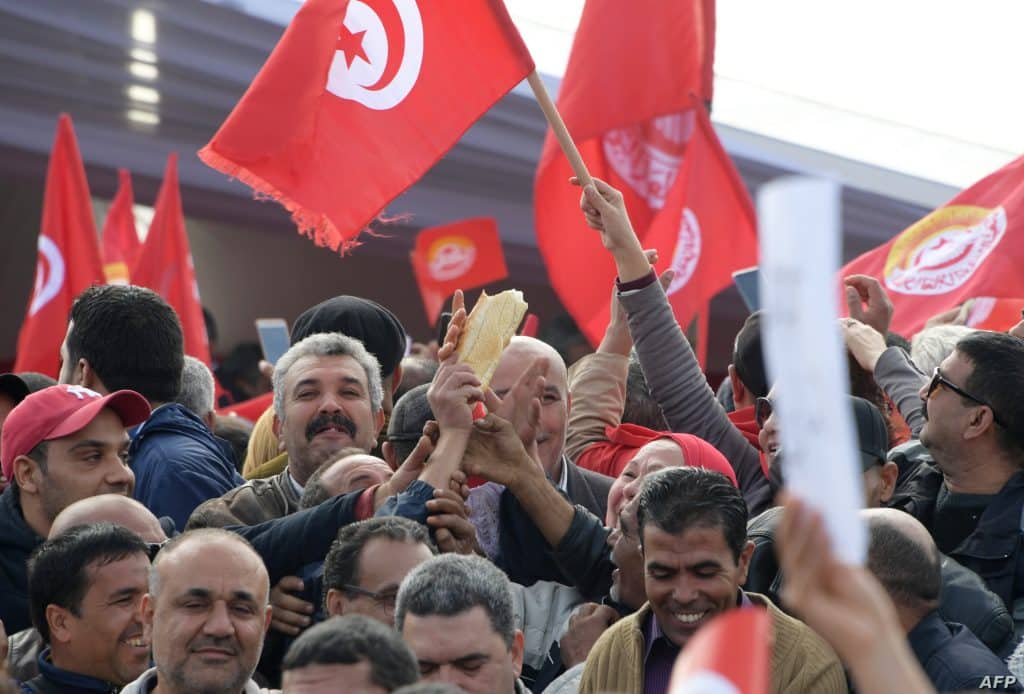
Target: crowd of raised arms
{"points": [[394, 525]]}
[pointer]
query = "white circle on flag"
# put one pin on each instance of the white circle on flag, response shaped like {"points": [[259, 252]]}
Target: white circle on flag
{"points": [[706, 682], [359, 82], [49, 274], [687, 253], [647, 156]]}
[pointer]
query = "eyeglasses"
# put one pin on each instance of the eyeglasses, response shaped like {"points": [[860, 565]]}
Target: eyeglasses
{"points": [[153, 548], [762, 411], [939, 380], [385, 599]]}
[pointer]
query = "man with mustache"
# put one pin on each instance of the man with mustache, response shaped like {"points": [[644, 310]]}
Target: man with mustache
{"points": [[206, 614], [327, 397], [85, 587]]}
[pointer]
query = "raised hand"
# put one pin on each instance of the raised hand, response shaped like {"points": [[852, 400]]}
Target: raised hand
{"points": [[521, 404], [455, 327], [864, 342], [452, 393], [496, 453], [868, 302], [450, 521], [291, 614]]}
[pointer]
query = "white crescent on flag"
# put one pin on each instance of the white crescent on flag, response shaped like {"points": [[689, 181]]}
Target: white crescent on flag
{"points": [[49, 274], [380, 53]]}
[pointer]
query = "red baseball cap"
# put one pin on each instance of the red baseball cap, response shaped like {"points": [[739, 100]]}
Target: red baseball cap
{"points": [[60, 411]]}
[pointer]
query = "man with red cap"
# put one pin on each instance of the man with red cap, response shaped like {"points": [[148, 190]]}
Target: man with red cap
{"points": [[59, 445]]}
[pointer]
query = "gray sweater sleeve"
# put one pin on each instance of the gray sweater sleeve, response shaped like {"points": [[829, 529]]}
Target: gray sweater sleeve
{"points": [[678, 384], [897, 375]]}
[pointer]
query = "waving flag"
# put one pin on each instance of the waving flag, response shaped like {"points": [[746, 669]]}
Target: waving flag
{"points": [[359, 99], [463, 255], [165, 264], [973, 246], [626, 100], [68, 256], [121, 243], [730, 655]]}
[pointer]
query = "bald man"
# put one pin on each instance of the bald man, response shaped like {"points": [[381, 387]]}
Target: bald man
{"points": [[112, 508], [905, 559], [583, 487], [347, 474], [206, 614]]}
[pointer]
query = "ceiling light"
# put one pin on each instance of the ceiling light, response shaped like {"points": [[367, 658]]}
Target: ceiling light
{"points": [[142, 117], [146, 95], [144, 26], [143, 54], [143, 71]]}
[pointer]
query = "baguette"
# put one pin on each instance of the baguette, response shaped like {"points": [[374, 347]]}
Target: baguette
{"points": [[489, 328]]}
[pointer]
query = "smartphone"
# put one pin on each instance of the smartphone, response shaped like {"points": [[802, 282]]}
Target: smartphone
{"points": [[746, 281], [274, 338]]}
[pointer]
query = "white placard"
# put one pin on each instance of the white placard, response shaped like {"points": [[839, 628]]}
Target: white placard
{"points": [[805, 356]]}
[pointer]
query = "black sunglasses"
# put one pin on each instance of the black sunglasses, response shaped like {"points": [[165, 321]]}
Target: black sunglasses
{"points": [[939, 380], [762, 411]]}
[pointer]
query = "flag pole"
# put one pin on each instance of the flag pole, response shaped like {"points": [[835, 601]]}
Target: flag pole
{"points": [[559, 129]]}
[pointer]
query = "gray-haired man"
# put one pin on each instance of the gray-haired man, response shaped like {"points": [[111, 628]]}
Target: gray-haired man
{"points": [[456, 615]]}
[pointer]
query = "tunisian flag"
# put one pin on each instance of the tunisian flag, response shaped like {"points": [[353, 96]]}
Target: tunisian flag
{"points": [[68, 260], [626, 100], [463, 255], [121, 243], [359, 99], [165, 264], [730, 655], [973, 246]]}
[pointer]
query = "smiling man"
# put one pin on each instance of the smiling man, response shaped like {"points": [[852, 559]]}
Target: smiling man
{"points": [[327, 397], [85, 587], [692, 526], [206, 615]]}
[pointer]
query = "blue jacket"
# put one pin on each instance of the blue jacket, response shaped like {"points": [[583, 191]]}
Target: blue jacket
{"points": [[17, 541], [52, 679], [954, 659], [179, 464]]}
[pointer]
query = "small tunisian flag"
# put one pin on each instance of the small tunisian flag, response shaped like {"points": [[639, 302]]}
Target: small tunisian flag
{"points": [[626, 100], [730, 655], [165, 264], [121, 243], [463, 255], [359, 99], [972, 246], [68, 256]]}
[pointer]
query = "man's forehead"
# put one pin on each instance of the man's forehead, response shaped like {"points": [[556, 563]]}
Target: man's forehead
{"points": [[325, 369], [699, 539], [519, 354]]}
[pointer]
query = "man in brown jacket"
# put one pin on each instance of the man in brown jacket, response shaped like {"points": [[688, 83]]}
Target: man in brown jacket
{"points": [[327, 397], [695, 552]]}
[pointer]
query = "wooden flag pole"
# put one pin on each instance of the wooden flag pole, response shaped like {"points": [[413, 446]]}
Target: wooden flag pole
{"points": [[558, 127]]}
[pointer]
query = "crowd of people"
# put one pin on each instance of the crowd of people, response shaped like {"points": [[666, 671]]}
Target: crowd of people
{"points": [[401, 527]]}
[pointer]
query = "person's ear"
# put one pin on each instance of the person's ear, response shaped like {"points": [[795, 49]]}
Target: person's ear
{"points": [[744, 562], [146, 609], [336, 602], [739, 390], [59, 621], [267, 618], [378, 422], [888, 474], [26, 472], [518, 647], [276, 426], [86, 376], [980, 422]]}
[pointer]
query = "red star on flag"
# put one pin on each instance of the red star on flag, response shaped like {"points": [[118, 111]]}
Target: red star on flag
{"points": [[351, 45]]}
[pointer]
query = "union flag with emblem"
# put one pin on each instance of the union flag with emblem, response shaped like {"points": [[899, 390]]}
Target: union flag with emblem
{"points": [[121, 243], [68, 256], [462, 255], [628, 99], [359, 99], [973, 246]]}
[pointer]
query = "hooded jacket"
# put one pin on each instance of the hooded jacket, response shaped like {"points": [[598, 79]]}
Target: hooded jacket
{"points": [[17, 541], [179, 464]]}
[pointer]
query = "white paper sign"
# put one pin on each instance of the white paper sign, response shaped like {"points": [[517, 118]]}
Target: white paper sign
{"points": [[805, 356]]}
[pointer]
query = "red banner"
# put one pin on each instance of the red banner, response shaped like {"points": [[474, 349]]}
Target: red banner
{"points": [[165, 264], [626, 100], [121, 243], [731, 654], [68, 256], [359, 99], [973, 246]]}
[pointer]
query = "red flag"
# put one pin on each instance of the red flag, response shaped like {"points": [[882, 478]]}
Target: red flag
{"points": [[165, 264], [626, 100], [986, 313], [731, 655], [463, 255], [68, 256], [972, 246], [359, 99], [121, 243]]}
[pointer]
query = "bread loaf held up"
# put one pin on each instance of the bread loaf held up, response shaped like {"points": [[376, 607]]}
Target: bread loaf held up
{"points": [[489, 328]]}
